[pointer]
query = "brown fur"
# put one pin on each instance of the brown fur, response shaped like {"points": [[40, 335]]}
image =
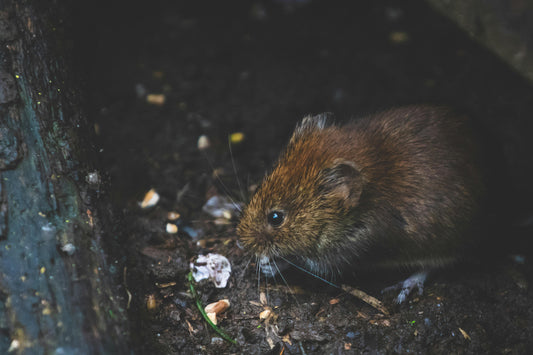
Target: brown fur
{"points": [[399, 188]]}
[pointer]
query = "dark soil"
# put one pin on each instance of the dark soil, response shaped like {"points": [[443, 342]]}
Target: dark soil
{"points": [[258, 67]]}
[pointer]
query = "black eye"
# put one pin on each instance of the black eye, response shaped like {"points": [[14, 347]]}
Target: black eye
{"points": [[276, 218]]}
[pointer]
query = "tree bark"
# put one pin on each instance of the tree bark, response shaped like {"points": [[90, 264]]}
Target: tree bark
{"points": [[56, 290], [504, 27]]}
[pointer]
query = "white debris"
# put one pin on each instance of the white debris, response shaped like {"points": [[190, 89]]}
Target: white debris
{"points": [[93, 178], [212, 266], [221, 207], [203, 142], [69, 248], [15, 345]]}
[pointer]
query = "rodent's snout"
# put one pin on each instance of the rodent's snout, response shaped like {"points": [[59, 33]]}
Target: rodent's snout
{"points": [[257, 243], [258, 236]]}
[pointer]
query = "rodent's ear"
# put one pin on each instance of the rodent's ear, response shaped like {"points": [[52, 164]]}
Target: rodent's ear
{"points": [[311, 123], [344, 181]]}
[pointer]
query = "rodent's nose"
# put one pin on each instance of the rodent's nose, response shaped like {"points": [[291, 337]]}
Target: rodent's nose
{"points": [[256, 242], [263, 238]]}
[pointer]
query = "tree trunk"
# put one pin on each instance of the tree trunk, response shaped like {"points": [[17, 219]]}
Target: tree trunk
{"points": [[56, 292]]}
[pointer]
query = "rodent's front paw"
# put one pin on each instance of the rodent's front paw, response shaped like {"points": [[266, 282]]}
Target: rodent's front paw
{"points": [[414, 281], [270, 267]]}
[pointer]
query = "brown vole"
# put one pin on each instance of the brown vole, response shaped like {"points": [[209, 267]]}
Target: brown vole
{"points": [[397, 189]]}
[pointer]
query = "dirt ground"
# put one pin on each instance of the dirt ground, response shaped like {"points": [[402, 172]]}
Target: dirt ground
{"points": [[257, 67]]}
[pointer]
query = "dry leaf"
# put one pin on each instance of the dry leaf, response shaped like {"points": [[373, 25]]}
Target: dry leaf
{"points": [[265, 314], [465, 334], [263, 298]]}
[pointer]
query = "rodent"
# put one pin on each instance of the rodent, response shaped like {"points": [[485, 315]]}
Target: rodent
{"points": [[398, 189]]}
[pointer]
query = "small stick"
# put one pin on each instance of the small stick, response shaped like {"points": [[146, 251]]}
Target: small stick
{"points": [[126, 287], [372, 301]]}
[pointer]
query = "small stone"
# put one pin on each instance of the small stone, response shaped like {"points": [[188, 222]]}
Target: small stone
{"points": [[172, 216], [217, 341], [172, 228]]}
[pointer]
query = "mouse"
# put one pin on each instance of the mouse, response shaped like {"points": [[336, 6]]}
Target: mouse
{"points": [[401, 189]]}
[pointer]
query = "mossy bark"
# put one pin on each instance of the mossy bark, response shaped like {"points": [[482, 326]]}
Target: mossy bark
{"points": [[56, 294]]}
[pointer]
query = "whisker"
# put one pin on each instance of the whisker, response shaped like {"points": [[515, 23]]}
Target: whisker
{"points": [[309, 272], [247, 264], [285, 282], [258, 272], [242, 270], [227, 191], [200, 221], [274, 277], [235, 171], [302, 350]]}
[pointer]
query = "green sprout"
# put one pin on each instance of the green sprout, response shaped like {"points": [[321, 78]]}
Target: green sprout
{"points": [[201, 309]]}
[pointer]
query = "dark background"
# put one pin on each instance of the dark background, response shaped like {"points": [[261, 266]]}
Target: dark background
{"points": [[258, 67], [245, 63]]}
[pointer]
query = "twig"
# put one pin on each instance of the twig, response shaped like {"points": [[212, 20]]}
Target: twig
{"points": [[372, 301], [126, 287]]}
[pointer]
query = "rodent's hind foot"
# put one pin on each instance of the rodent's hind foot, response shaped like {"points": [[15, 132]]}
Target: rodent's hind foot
{"points": [[414, 281]]}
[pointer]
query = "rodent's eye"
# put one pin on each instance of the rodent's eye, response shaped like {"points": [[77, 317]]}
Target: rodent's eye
{"points": [[276, 218]]}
